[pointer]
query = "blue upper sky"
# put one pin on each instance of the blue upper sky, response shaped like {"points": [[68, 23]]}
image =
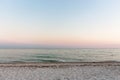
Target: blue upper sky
{"points": [[60, 23]]}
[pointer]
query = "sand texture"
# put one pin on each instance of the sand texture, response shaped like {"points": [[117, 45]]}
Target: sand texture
{"points": [[62, 71]]}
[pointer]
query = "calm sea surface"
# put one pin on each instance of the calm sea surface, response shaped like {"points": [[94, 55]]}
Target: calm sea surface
{"points": [[58, 55]]}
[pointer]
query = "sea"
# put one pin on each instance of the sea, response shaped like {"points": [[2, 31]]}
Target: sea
{"points": [[59, 55]]}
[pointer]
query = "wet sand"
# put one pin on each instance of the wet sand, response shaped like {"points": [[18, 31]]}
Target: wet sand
{"points": [[60, 71]]}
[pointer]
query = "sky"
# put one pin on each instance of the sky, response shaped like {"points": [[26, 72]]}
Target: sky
{"points": [[60, 23]]}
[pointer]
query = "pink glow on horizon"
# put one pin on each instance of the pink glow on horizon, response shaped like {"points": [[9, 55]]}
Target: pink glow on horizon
{"points": [[70, 42]]}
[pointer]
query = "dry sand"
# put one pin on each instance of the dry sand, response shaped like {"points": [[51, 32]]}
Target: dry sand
{"points": [[60, 71]]}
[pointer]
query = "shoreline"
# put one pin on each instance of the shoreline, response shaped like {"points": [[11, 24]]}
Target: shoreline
{"points": [[59, 64]]}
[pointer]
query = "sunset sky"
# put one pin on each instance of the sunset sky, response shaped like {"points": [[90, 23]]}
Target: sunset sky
{"points": [[60, 23]]}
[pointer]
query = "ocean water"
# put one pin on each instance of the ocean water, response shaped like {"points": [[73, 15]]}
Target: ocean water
{"points": [[58, 55]]}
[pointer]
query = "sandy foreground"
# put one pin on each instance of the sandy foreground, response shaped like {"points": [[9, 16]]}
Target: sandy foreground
{"points": [[61, 71]]}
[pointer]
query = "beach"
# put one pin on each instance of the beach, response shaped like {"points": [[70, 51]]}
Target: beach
{"points": [[60, 71]]}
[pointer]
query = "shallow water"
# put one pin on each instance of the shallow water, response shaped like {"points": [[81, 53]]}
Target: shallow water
{"points": [[58, 55]]}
